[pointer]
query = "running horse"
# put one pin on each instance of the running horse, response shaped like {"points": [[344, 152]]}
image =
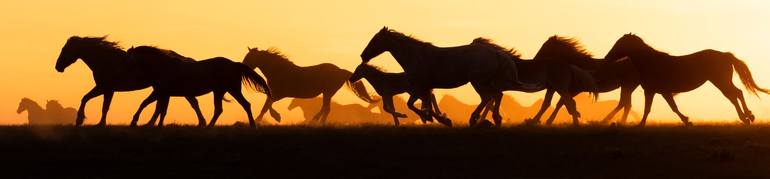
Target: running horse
{"points": [[287, 79], [177, 76], [661, 73], [112, 72], [428, 67]]}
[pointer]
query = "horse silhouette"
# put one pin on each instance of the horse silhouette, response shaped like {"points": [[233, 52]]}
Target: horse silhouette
{"points": [[428, 66], [349, 114], [667, 75], [112, 71], [289, 80], [609, 75], [53, 114], [178, 76], [510, 106], [387, 85], [553, 73]]}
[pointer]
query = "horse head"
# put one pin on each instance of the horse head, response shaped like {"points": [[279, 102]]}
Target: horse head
{"points": [[359, 73], [376, 46], [24, 105], [625, 46], [69, 53]]}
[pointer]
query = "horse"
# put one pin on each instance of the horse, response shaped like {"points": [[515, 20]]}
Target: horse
{"points": [[54, 114], [427, 67], [388, 85], [181, 77], [289, 80], [346, 114], [609, 75], [661, 73], [112, 72], [555, 74]]}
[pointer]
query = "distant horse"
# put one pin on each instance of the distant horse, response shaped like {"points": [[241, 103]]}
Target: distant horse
{"points": [[54, 114], [112, 71], [609, 75], [347, 114], [180, 77], [427, 67], [387, 85], [289, 80], [668, 75], [554, 74]]}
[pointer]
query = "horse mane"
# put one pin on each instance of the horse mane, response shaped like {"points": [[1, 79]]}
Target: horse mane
{"points": [[487, 42], [98, 41], [638, 39], [277, 56], [409, 38], [53, 104], [377, 68], [30, 101], [574, 46]]}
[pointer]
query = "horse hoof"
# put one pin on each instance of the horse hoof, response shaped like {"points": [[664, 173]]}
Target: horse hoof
{"points": [[401, 115]]}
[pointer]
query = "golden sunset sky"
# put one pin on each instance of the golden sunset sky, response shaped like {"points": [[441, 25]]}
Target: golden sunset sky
{"points": [[336, 31]]}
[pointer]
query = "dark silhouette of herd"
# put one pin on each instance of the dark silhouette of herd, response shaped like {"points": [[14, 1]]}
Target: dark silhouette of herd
{"points": [[561, 66]]}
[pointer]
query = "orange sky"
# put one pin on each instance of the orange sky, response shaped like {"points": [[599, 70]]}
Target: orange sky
{"points": [[336, 31]]}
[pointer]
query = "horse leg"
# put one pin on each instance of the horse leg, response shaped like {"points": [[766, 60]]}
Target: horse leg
{"points": [[428, 109], [734, 95], [648, 96], [435, 105], [552, 117], [543, 107], [498, 98], [410, 103], [96, 91], [245, 104], [274, 113], [105, 108], [163, 106], [194, 103], [157, 113], [572, 108], [268, 104], [218, 96], [746, 111], [671, 103], [475, 115], [326, 108], [387, 102], [147, 101], [625, 96]]}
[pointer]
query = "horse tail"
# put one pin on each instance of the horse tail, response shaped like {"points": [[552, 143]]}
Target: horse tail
{"points": [[360, 91], [743, 72], [584, 80], [252, 79]]}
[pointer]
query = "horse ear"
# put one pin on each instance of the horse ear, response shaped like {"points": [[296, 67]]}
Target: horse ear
{"points": [[384, 28]]}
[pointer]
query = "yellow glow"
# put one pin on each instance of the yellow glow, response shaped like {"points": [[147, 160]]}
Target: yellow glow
{"points": [[336, 31]]}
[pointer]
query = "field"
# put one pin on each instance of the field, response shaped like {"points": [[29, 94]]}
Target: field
{"points": [[386, 152]]}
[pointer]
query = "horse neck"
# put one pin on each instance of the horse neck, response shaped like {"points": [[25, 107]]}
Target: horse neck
{"points": [[103, 57], [33, 108], [276, 66], [408, 53]]}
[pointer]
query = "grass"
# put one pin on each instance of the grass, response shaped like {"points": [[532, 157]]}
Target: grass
{"points": [[387, 152]]}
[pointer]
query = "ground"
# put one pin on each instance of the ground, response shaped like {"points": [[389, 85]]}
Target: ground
{"points": [[385, 152]]}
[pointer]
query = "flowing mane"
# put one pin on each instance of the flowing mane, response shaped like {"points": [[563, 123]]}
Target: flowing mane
{"points": [[275, 56], [408, 38], [376, 68], [489, 43], [639, 41], [97, 41], [569, 45]]}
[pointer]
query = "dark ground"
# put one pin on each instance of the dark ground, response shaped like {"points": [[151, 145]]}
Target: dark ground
{"points": [[386, 152]]}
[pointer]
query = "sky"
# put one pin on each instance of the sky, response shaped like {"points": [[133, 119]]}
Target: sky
{"points": [[336, 31]]}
